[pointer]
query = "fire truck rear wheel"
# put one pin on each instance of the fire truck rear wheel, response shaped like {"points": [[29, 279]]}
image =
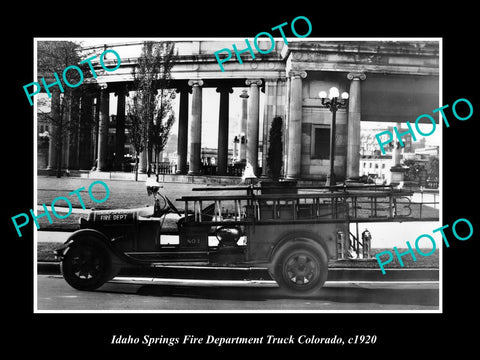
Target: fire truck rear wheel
{"points": [[87, 265], [301, 268]]}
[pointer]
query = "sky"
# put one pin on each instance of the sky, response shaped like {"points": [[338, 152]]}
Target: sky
{"points": [[433, 140]]}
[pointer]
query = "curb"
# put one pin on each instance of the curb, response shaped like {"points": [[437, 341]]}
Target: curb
{"points": [[334, 274]]}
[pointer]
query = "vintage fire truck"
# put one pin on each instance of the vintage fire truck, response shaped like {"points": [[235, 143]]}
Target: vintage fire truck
{"points": [[293, 233]]}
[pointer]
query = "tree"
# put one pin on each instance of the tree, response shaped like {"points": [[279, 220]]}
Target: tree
{"points": [[275, 149], [162, 123], [151, 107], [54, 57], [413, 167], [137, 137], [433, 166]]}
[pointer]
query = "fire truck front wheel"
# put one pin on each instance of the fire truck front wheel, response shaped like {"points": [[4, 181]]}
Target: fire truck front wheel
{"points": [[301, 267], [87, 265]]}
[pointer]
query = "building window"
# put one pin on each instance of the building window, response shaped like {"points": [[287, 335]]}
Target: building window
{"points": [[320, 142], [370, 165], [383, 166]]}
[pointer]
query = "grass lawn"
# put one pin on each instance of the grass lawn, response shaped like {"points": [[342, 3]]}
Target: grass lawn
{"points": [[123, 194], [431, 261], [71, 223], [45, 251]]}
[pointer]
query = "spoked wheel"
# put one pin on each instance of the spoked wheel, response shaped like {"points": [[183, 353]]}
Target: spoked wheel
{"points": [[87, 265], [301, 268]]}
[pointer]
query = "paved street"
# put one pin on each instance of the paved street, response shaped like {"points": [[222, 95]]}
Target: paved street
{"points": [[169, 294]]}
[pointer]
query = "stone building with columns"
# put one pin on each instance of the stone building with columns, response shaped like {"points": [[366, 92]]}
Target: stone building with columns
{"points": [[387, 81]]}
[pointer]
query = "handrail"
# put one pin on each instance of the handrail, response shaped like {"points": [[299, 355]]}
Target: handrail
{"points": [[297, 196], [304, 187], [350, 206]]}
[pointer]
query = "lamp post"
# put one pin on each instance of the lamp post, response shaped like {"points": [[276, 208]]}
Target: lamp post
{"points": [[333, 104]]}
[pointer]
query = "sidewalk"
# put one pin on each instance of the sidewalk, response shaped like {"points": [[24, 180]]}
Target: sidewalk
{"points": [[130, 176]]}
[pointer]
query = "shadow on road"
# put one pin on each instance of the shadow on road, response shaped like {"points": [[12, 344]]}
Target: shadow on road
{"points": [[422, 297], [337, 294]]}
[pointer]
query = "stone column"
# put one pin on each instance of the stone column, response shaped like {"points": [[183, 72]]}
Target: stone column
{"points": [[53, 129], [253, 120], [243, 127], [142, 162], [96, 120], [182, 140], [353, 127], [120, 128], [294, 137], [74, 131], [235, 148], [223, 119], [268, 115], [63, 131], [85, 139], [103, 125], [195, 127]]}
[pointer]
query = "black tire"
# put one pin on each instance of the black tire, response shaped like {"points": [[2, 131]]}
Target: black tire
{"points": [[301, 267], [87, 265]]}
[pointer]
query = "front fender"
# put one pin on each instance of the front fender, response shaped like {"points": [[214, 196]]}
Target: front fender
{"points": [[289, 236], [87, 235], [84, 234], [305, 237]]}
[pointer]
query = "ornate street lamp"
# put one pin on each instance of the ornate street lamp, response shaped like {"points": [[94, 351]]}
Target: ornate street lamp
{"points": [[333, 103]]}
